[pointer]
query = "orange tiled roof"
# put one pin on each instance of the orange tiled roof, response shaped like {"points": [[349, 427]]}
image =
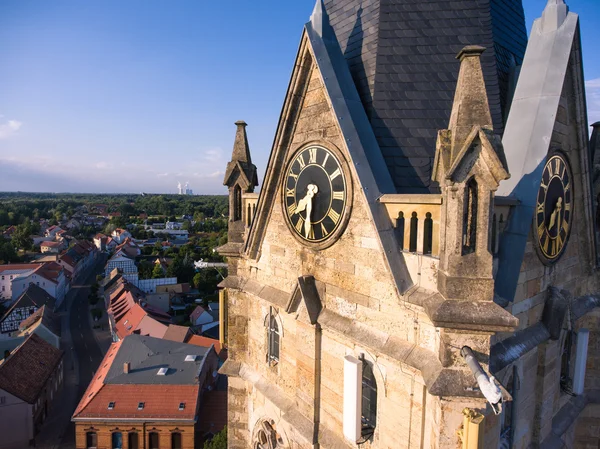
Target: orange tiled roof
{"points": [[160, 401], [199, 340]]}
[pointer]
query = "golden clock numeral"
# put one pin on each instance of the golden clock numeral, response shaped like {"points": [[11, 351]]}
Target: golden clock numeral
{"points": [[541, 229], [324, 230], [567, 187], [568, 206], [333, 215], [335, 174], [554, 248], [290, 192], [338, 196], [547, 245], [291, 209], [293, 175], [299, 225], [565, 226], [543, 186], [540, 208], [556, 166], [325, 160], [312, 156], [559, 241], [301, 162]]}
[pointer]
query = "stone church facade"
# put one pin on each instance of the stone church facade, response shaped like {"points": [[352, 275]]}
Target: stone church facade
{"points": [[419, 268]]}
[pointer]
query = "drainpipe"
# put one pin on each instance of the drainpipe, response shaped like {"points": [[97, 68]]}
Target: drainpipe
{"points": [[488, 385]]}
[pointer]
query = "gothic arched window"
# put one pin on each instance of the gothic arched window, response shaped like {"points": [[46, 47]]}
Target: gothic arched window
{"points": [[399, 229], [273, 333], [369, 400], [470, 218]]}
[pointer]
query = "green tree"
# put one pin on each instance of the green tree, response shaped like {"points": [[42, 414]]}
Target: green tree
{"points": [[8, 253], [21, 237], [157, 271], [219, 441]]}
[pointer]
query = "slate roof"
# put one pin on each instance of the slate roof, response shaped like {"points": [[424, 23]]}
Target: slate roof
{"points": [[401, 54], [33, 296], [46, 317], [25, 372], [147, 354]]}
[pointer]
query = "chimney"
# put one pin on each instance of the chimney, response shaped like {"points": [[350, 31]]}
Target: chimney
{"points": [[126, 367]]}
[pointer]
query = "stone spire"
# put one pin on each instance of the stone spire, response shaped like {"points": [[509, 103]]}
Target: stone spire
{"points": [[554, 15], [595, 155], [241, 149], [470, 106], [241, 162]]}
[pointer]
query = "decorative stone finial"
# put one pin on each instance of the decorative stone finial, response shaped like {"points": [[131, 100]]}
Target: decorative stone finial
{"points": [[554, 15], [241, 149]]}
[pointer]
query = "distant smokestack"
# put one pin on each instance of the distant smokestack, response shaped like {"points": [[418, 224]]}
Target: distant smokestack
{"points": [[126, 367]]}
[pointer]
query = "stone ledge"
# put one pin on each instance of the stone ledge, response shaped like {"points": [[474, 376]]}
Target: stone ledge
{"points": [[230, 249], [482, 316], [411, 198]]}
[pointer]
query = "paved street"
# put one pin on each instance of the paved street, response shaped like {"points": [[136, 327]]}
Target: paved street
{"points": [[82, 357]]}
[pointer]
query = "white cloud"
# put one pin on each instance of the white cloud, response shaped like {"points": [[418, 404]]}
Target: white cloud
{"points": [[592, 88], [9, 128], [162, 175], [103, 165], [214, 174]]}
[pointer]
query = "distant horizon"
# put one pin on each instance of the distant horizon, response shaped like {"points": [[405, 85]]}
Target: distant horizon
{"points": [[135, 96], [106, 193]]}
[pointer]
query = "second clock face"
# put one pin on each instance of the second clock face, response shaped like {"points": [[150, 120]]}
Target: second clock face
{"points": [[315, 194], [554, 209]]}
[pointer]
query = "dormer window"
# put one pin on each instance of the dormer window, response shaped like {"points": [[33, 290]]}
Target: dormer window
{"points": [[181, 406], [111, 405], [141, 405]]}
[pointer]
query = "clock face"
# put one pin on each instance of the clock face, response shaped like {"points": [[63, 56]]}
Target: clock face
{"points": [[315, 194], [554, 210]]}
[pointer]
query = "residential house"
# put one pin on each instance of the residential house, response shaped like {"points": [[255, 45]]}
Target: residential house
{"points": [[30, 379], [39, 239], [100, 241], [78, 258], [44, 323], [204, 319], [50, 247], [125, 264], [32, 299], [10, 271], [52, 231], [72, 224], [174, 225], [7, 234], [148, 393], [119, 235]]}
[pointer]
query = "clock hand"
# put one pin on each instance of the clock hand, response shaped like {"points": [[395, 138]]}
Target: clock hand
{"points": [[555, 217]]}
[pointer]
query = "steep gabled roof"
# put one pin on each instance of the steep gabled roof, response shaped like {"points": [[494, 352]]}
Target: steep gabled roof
{"points": [[26, 370], [553, 44], [320, 47], [33, 296]]}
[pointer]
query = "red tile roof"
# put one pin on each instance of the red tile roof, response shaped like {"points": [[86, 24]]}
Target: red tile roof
{"points": [[18, 266], [25, 372], [177, 333], [198, 311]]}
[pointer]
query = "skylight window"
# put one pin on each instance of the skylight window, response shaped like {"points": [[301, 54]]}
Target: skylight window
{"points": [[162, 372], [141, 405], [181, 405], [190, 358], [111, 405]]}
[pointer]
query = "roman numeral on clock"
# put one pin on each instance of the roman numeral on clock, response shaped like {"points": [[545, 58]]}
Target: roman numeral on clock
{"points": [[335, 174], [291, 209], [325, 160], [290, 192], [541, 229], [540, 208], [312, 159], [338, 196], [335, 217], [324, 230], [301, 162], [299, 225]]}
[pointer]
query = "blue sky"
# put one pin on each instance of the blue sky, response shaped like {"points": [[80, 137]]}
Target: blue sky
{"points": [[131, 95]]}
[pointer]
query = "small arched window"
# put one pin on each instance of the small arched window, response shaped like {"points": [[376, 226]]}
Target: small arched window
{"points": [[470, 218], [175, 440], [494, 234], [249, 215], [414, 229], [91, 440], [153, 440], [117, 440], [237, 203], [399, 229], [369, 400], [133, 440], [428, 234], [273, 333]]}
